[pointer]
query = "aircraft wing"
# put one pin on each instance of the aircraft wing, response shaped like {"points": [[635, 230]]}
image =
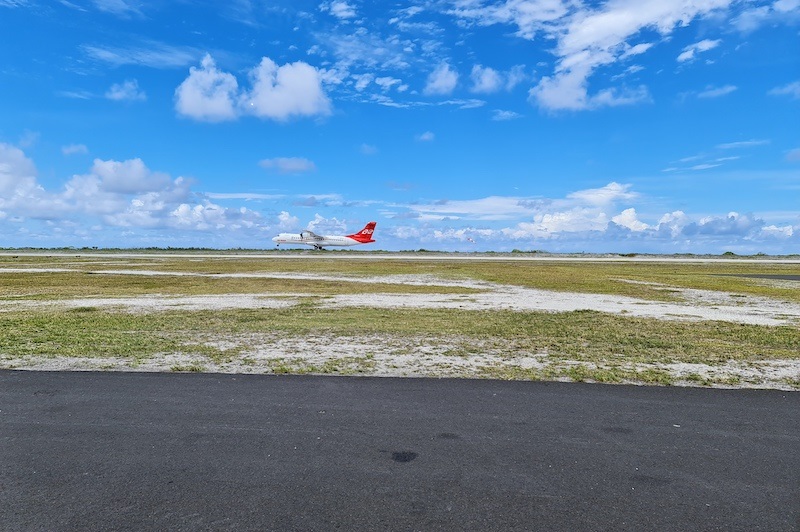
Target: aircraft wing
{"points": [[310, 235]]}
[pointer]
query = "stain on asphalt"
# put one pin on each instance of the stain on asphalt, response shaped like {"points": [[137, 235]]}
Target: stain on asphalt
{"points": [[403, 456], [617, 430]]}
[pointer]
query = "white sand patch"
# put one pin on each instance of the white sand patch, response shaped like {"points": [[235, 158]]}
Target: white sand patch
{"points": [[157, 303], [698, 305], [755, 311], [751, 374], [389, 356]]}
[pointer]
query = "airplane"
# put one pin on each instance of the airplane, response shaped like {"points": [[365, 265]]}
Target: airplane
{"points": [[310, 238]]}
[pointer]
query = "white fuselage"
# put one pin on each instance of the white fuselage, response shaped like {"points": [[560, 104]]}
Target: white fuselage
{"points": [[317, 241]]}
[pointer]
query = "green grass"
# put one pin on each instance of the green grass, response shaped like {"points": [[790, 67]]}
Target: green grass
{"points": [[593, 277], [580, 346], [583, 336]]}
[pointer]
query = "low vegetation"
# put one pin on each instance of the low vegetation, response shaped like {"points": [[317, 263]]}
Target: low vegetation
{"points": [[578, 346]]}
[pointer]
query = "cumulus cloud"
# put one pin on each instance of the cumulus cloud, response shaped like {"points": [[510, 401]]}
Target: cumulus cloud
{"points": [[581, 210], [112, 194], [278, 92], [126, 91], [128, 177], [288, 165], [485, 79], [286, 221], [17, 174], [627, 218], [208, 94], [443, 80]]}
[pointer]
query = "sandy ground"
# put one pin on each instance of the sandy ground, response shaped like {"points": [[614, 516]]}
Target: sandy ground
{"points": [[388, 356]]}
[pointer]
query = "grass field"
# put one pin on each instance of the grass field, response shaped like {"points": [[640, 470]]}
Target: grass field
{"points": [[309, 335]]}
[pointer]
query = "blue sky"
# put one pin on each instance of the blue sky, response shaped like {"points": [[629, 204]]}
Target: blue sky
{"points": [[471, 125]]}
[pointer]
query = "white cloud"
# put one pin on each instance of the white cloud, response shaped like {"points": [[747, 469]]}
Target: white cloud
{"points": [[121, 8], [782, 232], [128, 177], [286, 221], [361, 47], [208, 94], [339, 9], [732, 224], [606, 195], [793, 155], [485, 79], [387, 82], [113, 194], [499, 115], [582, 210], [368, 149], [716, 92], [515, 76], [73, 149], [17, 175], [791, 89], [569, 91], [443, 80], [742, 144], [689, 52], [126, 91], [627, 218], [489, 208], [323, 225], [363, 81], [591, 38], [638, 49], [752, 18], [428, 136], [673, 223], [278, 92], [530, 17], [288, 165], [151, 53]]}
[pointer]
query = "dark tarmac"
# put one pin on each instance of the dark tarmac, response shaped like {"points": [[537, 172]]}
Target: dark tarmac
{"points": [[137, 451]]}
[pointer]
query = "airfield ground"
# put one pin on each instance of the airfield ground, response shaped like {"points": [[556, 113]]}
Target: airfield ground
{"points": [[698, 321]]}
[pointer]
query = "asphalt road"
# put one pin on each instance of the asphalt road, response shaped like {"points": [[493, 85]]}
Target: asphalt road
{"points": [[135, 451]]}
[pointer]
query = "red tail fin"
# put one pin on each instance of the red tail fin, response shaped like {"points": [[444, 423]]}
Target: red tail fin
{"points": [[365, 235]]}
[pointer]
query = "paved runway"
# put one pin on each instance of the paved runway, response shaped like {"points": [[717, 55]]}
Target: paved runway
{"points": [[128, 451]]}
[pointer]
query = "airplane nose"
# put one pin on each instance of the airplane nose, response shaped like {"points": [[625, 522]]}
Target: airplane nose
{"points": [[275, 239]]}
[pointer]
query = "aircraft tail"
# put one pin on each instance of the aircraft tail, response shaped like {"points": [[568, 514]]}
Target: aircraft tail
{"points": [[365, 235]]}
